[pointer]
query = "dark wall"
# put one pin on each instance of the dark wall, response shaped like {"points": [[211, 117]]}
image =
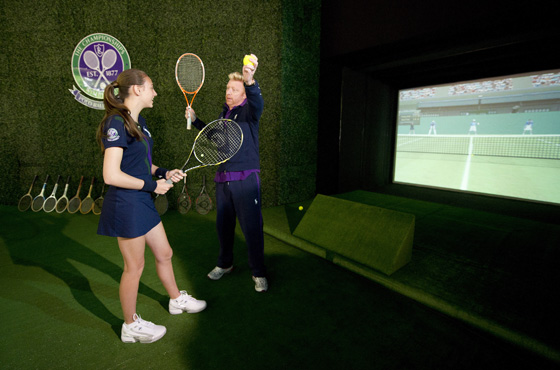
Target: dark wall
{"points": [[44, 131], [372, 49]]}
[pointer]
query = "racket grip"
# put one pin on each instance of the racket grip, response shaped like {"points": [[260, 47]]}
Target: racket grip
{"points": [[168, 181], [189, 121]]}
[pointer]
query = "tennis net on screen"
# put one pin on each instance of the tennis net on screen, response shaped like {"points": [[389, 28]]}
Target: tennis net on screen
{"points": [[522, 146]]}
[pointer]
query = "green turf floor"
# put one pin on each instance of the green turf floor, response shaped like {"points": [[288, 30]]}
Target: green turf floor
{"points": [[60, 309]]}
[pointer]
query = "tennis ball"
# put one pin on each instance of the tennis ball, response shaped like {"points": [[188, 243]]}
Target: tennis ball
{"points": [[246, 60], [300, 208]]}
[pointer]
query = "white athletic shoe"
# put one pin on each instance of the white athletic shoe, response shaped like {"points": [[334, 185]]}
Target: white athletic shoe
{"points": [[261, 284], [141, 331], [185, 303], [218, 272]]}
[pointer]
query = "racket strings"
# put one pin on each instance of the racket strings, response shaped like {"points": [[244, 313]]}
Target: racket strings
{"points": [[74, 205], [49, 205], [61, 205], [25, 202], [190, 73], [37, 204], [203, 204], [184, 204], [86, 205], [219, 143]]}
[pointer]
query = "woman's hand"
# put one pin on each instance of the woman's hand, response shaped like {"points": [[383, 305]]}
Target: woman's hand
{"points": [[175, 175]]}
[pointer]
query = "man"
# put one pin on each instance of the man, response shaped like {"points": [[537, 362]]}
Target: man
{"points": [[432, 128], [528, 127], [237, 180], [473, 126]]}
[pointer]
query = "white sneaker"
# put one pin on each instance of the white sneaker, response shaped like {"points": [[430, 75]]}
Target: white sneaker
{"points": [[141, 331], [218, 272], [261, 284], [185, 303]]}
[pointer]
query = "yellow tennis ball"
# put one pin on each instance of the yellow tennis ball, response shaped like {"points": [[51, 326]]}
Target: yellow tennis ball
{"points": [[246, 60], [300, 208]]}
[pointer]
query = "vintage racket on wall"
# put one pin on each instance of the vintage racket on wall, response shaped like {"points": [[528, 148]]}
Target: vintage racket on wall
{"points": [[75, 202], [50, 202], [161, 203], [98, 204], [62, 202], [189, 73], [38, 201], [25, 201], [87, 204]]}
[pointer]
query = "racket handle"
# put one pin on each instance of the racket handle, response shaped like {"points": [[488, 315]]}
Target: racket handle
{"points": [[189, 121], [168, 181]]}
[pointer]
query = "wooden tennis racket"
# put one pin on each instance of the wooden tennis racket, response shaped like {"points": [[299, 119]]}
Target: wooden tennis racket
{"points": [[184, 201], [75, 202], [189, 73], [50, 202], [25, 201], [38, 201], [87, 204], [203, 201], [62, 202], [98, 204]]}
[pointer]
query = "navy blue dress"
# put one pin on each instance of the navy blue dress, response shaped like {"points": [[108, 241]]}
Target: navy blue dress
{"points": [[129, 213]]}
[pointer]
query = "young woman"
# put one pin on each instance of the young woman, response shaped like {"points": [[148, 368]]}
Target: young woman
{"points": [[128, 210]]}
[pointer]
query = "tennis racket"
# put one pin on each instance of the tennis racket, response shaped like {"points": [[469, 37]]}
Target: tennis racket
{"points": [[38, 201], [62, 202], [216, 143], [203, 201], [98, 204], [184, 201], [161, 203], [25, 201], [107, 61], [87, 203], [50, 202], [92, 61], [75, 202], [189, 73]]}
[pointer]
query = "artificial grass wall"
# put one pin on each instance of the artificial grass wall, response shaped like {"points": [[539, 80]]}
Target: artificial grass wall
{"points": [[45, 131]]}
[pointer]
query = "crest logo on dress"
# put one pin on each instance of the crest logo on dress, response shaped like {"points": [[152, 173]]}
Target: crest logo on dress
{"points": [[112, 134], [97, 60]]}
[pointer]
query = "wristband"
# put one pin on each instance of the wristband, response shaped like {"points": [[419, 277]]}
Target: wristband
{"points": [[149, 186], [161, 173]]}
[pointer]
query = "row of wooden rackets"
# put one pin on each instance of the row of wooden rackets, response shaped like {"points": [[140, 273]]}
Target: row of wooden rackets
{"points": [[62, 204], [203, 203]]}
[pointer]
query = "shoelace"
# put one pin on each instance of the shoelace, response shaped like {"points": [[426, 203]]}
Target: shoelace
{"points": [[185, 297], [141, 321]]}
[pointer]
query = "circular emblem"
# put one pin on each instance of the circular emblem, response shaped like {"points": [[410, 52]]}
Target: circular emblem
{"points": [[97, 60], [112, 135]]}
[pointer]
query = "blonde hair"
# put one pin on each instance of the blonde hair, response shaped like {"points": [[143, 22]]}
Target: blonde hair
{"points": [[236, 76]]}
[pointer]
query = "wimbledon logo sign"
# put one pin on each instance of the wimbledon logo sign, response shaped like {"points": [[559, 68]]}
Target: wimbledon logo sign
{"points": [[96, 62]]}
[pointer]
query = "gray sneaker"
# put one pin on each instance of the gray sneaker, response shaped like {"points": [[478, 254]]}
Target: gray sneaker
{"points": [[218, 272], [261, 284]]}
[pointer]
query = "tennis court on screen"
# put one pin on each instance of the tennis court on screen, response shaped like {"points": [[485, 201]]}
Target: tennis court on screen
{"points": [[498, 163]]}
